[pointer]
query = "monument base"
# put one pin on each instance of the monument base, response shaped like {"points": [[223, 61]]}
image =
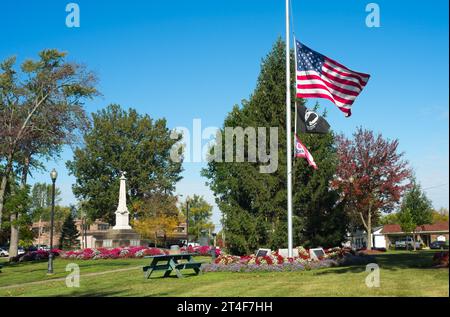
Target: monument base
{"points": [[114, 238]]}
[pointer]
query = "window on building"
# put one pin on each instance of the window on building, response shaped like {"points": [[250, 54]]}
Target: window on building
{"points": [[102, 227], [107, 243], [135, 243]]}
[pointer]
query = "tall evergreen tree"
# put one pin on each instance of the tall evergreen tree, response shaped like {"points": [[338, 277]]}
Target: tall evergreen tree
{"points": [[69, 234], [253, 203]]}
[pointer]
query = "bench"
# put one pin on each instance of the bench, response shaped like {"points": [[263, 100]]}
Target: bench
{"points": [[192, 265], [171, 263]]}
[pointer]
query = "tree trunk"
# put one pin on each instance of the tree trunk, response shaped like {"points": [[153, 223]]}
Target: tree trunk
{"points": [[14, 239], [3, 184], [368, 226], [414, 241], [369, 231], [2, 195]]}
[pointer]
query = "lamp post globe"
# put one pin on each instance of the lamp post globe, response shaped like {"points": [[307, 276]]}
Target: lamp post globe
{"points": [[53, 176]]}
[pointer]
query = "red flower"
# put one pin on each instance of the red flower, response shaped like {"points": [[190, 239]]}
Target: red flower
{"points": [[280, 259], [268, 259]]}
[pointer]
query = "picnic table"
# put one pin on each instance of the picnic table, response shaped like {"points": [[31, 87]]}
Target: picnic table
{"points": [[171, 262]]}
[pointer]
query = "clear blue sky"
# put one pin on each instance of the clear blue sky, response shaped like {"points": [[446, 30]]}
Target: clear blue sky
{"points": [[195, 59]]}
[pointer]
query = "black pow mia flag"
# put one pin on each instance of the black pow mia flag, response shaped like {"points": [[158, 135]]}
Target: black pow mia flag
{"points": [[310, 122]]}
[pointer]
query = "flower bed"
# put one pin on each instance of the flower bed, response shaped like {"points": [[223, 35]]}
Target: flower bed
{"points": [[114, 253], [35, 255], [275, 262], [200, 250], [129, 252], [283, 267], [109, 253]]}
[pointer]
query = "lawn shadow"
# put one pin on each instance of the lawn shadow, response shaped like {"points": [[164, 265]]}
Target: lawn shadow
{"points": [[396, 261], [389, 261], [172, 275], [103, 293], [105, 264], [343, 270]]}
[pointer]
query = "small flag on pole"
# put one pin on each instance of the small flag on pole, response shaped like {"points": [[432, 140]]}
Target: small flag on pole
{"points": [[310, 122], [302, 151], [321, 77]]}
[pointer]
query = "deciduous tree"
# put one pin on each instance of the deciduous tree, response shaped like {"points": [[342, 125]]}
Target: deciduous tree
{"points": [[371, 175], [440, 215], [200, 213], [123, 140], [406, 221], [418, 206], [157, 216], [40, 110]]}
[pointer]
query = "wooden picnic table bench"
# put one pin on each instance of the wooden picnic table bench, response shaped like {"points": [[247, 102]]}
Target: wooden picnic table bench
{"points": [[171, 262]]}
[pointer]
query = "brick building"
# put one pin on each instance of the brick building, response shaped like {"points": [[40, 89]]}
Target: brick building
{"points": [[87, 237]]}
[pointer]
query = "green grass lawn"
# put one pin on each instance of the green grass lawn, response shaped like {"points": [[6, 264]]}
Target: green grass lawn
{"points": [[402, 274]]}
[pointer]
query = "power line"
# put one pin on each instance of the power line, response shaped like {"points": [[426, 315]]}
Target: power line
{"points": [[431, 187]]}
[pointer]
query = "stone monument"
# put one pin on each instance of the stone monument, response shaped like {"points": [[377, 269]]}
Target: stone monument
{"points": [[121, 235], [122, 213]]}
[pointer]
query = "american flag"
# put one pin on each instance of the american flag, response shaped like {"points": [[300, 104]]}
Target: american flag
{"points": [[302, 151], [321, 77]]}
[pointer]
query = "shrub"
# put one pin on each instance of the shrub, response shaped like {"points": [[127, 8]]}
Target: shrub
{"points": [[35, 255], [440, 259]]}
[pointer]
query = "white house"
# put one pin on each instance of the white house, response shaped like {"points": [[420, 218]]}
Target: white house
{"points": [[358, 239]]}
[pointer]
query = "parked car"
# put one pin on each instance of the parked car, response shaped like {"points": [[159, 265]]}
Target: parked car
{"points": [[439, 245], [20, 251], [407, 242], [31, 249], [3, 252]]}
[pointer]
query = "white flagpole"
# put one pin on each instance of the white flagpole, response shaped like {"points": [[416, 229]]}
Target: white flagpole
{"points": [[288, 135], [295, 101]]}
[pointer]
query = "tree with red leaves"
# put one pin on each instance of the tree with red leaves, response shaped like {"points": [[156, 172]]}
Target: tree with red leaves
{"points": [[371, 176]]}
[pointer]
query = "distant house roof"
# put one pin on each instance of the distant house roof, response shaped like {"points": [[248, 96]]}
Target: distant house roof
{"points": [[395, 228], [440, 226]]}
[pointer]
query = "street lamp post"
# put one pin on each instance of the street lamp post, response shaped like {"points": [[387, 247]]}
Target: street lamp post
{"points": [[53, 176], [85, 230], [213, 249], [187, 221], [82, 231]]}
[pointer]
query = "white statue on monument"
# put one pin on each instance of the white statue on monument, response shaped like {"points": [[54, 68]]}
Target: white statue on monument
{"points": [[122, 212]]}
